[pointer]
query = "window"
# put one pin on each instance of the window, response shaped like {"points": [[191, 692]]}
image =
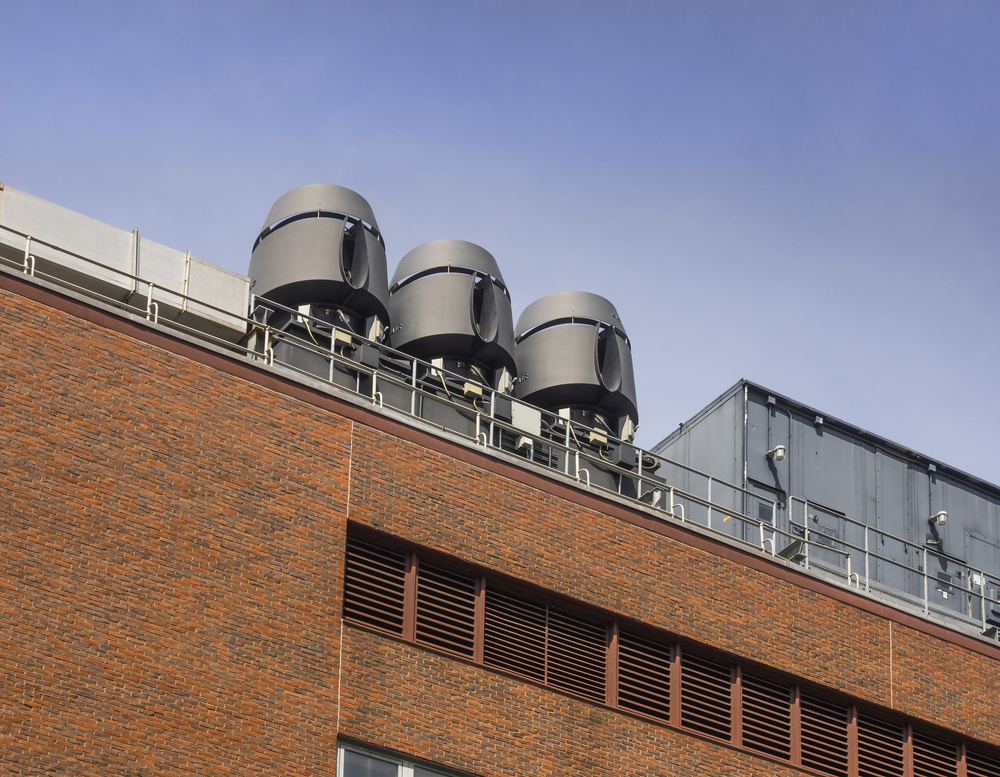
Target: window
{"points": [[353, 761]]}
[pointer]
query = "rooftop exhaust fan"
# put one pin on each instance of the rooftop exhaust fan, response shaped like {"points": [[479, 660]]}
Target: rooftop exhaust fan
{"points": [[574, 358], [320, 252], [450, 306]]}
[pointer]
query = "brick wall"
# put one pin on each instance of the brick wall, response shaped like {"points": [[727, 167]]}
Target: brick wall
{"points": [[173, 534], [172, 559]]}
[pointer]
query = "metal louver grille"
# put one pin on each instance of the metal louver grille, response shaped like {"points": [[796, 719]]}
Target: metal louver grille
{"points": [[375, 581], [446, 610], [643, 677], [977, 765], [706, 697], [515, 636], [576, 656], [880, 748], [767, 717], [460, 614], [933, 758], [824, 736]]}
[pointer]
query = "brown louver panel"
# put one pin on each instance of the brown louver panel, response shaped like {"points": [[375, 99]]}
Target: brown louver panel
{"points": [[880, 748], [515, 636], [643, 677], [933, 758], [374, 586], [706, 696], [824, 736], [446, 610], [767, 717], [577, 660], [977, 765]]}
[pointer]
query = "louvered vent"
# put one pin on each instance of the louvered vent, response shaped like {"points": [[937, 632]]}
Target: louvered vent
{"points": [[706, 697], [577, 656], [978, 765], [880, 748], [374, 584], [446, 610], [643, 677], [824, 736], [767, 717], [933, 758], [515, 636]]}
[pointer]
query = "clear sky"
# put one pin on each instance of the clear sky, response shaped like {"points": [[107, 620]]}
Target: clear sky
{"points": [[804, 194]]}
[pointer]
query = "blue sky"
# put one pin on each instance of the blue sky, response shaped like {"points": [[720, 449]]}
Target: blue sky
{"points": [[805, 194]]}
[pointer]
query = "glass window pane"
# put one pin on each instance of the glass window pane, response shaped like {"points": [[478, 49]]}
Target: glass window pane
{"points": [[358, 765], [421, 772]]}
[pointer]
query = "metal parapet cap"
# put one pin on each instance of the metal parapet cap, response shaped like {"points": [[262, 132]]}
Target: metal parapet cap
{"points": [[448, 300]]}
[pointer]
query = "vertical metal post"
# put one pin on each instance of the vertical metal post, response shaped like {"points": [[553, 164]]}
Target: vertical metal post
{"points": [[805, 529], [29, 260], [710, 503], [493, 410], [675, 686], [926, 600], [611, 667], [413, 391], [796, 754], [566, 443], [852, 741], [410, 598], [736, 705], [867, 572], [187, 278], [479, 631]]}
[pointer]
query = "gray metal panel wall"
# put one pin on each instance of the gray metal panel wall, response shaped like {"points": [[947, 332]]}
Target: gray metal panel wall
{"points": [[844, 471]]}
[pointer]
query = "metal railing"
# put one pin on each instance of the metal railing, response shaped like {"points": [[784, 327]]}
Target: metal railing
{"points": [[432, 395]]}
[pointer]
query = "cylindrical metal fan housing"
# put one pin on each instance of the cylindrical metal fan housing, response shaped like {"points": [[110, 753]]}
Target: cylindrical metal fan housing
{"points": [[320, 245], [448, 300], [573, 352]]}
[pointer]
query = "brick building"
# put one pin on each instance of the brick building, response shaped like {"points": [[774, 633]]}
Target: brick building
{"points": [[216, 564]]}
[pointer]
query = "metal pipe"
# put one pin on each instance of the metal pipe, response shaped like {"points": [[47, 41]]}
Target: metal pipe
{"points": [[29, 260], [152, 306]]}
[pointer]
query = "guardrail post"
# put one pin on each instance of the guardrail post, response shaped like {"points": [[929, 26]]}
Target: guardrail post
{"points": [[805, 529], [926, 599], [710, 507], [413, 392], [29, 260], [152, 308], [867, 572]]}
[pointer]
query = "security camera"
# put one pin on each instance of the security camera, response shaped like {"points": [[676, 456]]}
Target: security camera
{"points": [[777, 453]]}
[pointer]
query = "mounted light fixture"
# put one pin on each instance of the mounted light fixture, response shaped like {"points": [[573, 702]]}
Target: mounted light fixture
{"points": [[939, 519], [777, 453]]}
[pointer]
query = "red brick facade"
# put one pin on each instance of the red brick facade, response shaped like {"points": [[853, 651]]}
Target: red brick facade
{"points": [[173, 533]]}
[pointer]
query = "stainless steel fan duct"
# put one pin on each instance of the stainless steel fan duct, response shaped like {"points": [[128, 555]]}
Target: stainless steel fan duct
{"points": [[449, 305], [575, 359], [320, 252]]}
